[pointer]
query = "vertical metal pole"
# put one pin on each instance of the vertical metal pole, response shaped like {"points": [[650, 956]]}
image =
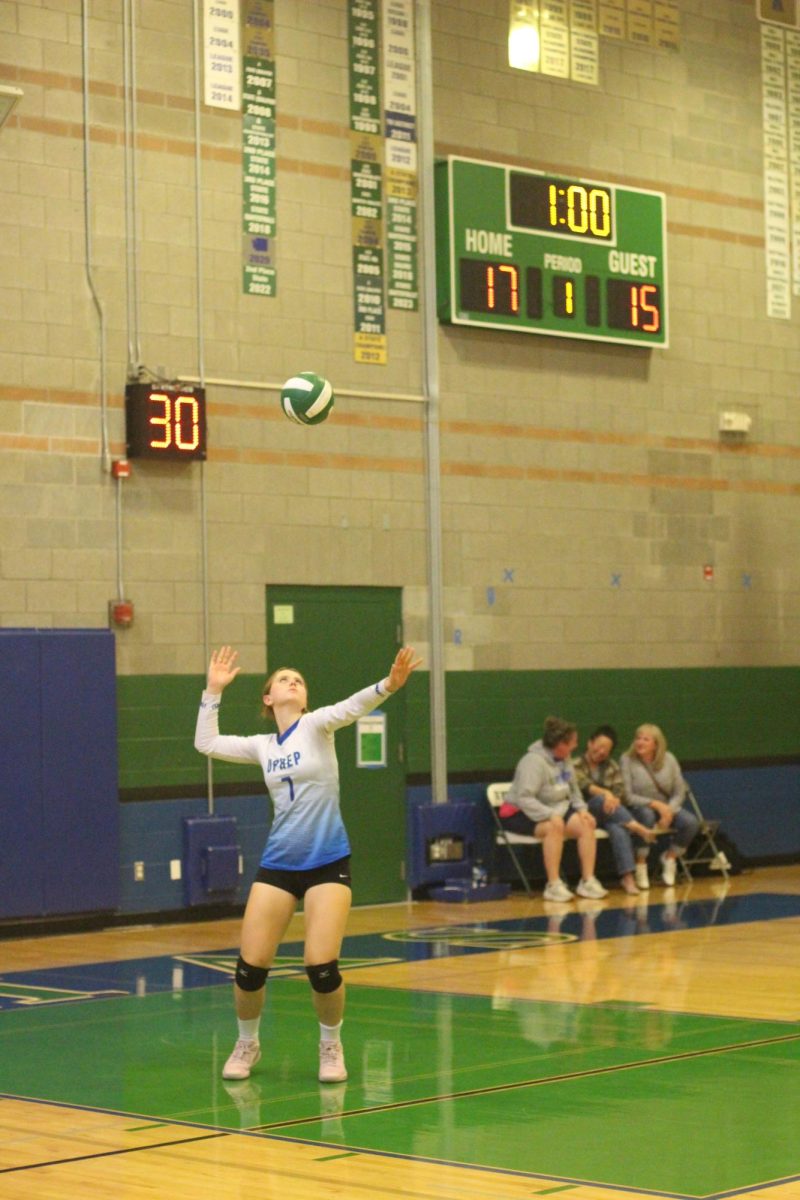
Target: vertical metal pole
{"points": [[197, 30], [431, 390]]}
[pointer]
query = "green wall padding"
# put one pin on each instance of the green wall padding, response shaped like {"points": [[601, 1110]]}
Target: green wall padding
{"points": [[156, 716], [706, 713]]}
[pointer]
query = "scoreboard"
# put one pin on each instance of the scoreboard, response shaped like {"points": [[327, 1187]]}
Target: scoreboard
{"points": [[543, 253]]}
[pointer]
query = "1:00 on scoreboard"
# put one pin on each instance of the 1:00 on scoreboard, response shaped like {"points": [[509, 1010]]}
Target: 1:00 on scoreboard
{"points": [[503, 289]]}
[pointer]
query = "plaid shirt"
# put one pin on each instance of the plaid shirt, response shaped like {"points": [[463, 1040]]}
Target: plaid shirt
{"points": [[607, 775]]}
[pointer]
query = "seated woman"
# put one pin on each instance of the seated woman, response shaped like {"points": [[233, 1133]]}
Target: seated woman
{"points": [[655, 791], [544, 801], [600, 780]]}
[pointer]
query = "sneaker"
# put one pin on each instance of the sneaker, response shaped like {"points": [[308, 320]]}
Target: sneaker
{"points": [[641, 877], [331, 1063], [591, 889], [558, 891], [246, 1054], [668, 865]]}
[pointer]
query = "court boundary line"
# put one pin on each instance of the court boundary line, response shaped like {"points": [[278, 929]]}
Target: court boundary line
{"points": [[269, 1130], [641, 1006], [59, 1162], [215, 1132], [568, 1076], [515, 1172]]}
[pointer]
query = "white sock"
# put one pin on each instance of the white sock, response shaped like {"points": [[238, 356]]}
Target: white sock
{"points": [[330, 1033], [249, 1029]]}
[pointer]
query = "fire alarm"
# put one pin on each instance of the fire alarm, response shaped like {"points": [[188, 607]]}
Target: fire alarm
{"points": [[120, 613]]}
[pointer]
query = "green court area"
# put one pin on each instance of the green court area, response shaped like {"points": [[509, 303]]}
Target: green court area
{"points": [[612, 1094]]}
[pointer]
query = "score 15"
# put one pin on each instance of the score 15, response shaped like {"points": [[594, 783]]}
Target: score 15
{"points": [[165, 421]]}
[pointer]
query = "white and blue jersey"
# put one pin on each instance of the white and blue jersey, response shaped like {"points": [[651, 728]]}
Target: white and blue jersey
{"points": [[301, 773]]}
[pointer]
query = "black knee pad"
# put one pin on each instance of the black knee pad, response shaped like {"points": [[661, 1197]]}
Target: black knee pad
{"points": [[324, 977], [250, 978]]}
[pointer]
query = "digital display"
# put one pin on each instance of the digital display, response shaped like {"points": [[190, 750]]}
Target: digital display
{"points": [[634, 306], [563, 206], [530, 251], [495, 288], [489, 287], [164, 421]]}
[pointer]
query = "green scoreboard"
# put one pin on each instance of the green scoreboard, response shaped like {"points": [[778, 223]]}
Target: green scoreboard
{"points": [[542, 253]]}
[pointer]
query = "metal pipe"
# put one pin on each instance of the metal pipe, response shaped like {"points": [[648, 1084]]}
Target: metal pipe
{"points": [[135, 187], [131, 232], [105, 453], [271, 386], [198, 220], [430, 333]]}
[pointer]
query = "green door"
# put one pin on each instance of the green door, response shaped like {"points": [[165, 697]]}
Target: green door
{"points": [[342, 639]]}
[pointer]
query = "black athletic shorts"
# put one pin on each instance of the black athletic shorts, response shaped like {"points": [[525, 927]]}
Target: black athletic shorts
{"points": [[298, 882]]}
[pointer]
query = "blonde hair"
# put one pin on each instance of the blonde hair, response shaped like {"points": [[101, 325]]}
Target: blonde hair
{"points": [[266, 709], [656, 734]]}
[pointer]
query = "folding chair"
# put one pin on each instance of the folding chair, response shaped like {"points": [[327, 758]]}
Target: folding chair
{"points": [[706, 852], [496, 794]]}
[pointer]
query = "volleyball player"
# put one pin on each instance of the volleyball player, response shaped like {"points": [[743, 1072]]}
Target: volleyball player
{"points": [[307, 854]]}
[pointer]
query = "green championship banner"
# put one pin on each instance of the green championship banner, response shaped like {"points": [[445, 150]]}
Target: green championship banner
{"points": [[366, 183], [400, 152], [258, 148]]}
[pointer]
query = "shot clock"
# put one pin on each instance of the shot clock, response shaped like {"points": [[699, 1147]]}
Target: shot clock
{"points": [[165, 422], [526, 250]]}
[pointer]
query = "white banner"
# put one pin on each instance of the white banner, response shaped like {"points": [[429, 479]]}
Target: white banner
{"points": [[777, 207], [222, 63]]}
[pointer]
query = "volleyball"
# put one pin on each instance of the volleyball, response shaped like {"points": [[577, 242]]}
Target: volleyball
{"points": [[307, 398]]}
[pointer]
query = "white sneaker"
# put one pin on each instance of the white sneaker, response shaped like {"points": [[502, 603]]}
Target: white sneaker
{"points": [[641, 877], [246, 1054], [331, 1063], [591, 889], [668, 866], [558, 891]]}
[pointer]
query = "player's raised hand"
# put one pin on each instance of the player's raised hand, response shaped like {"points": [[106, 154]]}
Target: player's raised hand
{"points": [[404, 663], [222, 669]]}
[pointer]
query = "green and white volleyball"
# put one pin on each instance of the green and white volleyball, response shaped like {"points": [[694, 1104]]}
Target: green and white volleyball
{"points": [[307, 398]]}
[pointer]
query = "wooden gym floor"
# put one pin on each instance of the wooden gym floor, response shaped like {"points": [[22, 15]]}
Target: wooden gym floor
{"points": [[499, 1050]]}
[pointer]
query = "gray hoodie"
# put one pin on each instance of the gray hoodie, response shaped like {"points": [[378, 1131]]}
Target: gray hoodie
{"points": [[544, 786], [641, 782]]}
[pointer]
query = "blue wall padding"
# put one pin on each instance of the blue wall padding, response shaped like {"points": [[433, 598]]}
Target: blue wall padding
{"points": [[22, 833], [221, 871], [79, 771], [152, 833], [59, 810], [758, 807], [210, 859], [428, 822]]}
